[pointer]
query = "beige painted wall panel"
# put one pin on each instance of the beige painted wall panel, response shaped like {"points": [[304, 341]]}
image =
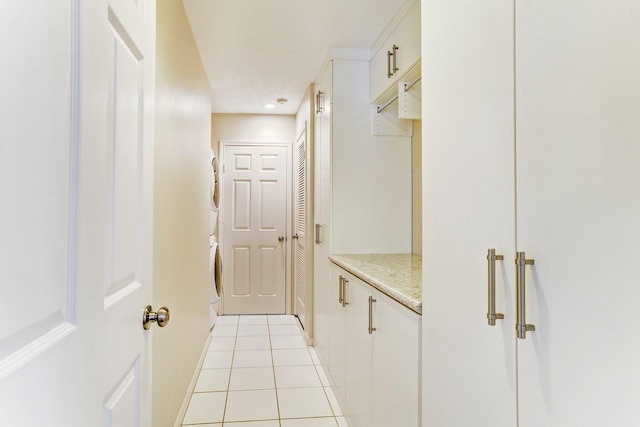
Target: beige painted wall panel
{"points": [[181, 237], [416, 160]]}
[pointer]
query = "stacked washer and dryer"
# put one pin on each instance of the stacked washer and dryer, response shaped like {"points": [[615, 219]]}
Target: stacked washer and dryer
{"points": [[215, 260]]}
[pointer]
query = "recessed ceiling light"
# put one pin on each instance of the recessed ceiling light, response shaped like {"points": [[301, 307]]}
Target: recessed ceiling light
{"points": [[269, 106]]}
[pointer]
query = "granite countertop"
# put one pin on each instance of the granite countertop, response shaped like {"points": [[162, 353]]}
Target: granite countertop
{"points": [[397, 275]]}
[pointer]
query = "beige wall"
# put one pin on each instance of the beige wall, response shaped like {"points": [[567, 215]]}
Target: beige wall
{"points": [[181, 242], [251, 128], [416, 160]]}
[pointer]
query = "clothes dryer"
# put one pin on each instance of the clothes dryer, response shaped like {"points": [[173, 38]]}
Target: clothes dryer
{"points": [[215, 269]]}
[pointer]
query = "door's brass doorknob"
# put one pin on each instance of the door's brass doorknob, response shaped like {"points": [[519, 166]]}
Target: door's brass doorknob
{"points": [[149, 316]]}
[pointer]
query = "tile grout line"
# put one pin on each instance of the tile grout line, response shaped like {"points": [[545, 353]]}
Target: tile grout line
{"points": [[324, 388], [273, 369], [233, 356], [273, 366]]}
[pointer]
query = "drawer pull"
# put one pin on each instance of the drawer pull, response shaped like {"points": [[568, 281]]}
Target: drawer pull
{"points": [[521, 315], [491, 310], [371, 301], [345, 282]]}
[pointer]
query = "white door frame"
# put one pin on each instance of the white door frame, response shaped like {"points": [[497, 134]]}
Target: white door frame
{"points": [[288, 212]]}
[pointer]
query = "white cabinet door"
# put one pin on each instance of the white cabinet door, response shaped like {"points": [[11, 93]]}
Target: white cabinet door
{"points": [[382, 371], [338, 337], [322, 210], [468, 366], [358, 375], [395, 364], [578, 151], [407, 40]]}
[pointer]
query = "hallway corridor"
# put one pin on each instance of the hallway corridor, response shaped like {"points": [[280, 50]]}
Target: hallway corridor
{"points": [[259, 372]]}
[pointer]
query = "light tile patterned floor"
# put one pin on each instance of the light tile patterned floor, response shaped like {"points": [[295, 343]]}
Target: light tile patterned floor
{"points": [[259, 372]]}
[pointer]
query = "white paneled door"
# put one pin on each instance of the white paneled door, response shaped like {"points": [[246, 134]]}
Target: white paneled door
{"points": [[75, 213], [299, 237], [254, 203], [127, 290]]}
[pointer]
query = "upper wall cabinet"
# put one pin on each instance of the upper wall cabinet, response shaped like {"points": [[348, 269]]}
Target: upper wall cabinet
{"points": [[398, 56]]}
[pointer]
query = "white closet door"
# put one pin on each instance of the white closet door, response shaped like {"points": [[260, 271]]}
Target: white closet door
{"points": [[255, 201], [299, 240], [468, 196], [578, 180]]}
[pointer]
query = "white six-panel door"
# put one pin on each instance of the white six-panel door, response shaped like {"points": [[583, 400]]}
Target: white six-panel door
{"points": [[299, 238], [254, 203], [75, 216]]}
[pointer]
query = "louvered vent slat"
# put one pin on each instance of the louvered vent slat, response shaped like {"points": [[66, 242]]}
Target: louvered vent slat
{"points": [[301, 189], [300, 271]]}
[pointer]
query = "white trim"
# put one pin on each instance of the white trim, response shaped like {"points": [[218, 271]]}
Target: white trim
{"points": [[121, 294], [19, 358], [242, 142]]}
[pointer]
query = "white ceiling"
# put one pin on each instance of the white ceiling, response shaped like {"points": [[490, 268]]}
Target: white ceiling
{"points": [[255, 51]]}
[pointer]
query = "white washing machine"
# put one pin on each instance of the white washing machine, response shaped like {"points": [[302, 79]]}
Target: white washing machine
{"points": [[215, 260], [215, 268]]}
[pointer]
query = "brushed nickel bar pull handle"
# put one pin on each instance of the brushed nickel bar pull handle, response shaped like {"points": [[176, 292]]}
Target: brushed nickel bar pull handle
{"points": [[521, 316], [491, 310], [340, 289], [319, 102], [371, 301], [318, 239], [389, 55], [345, 282], [395, 55]]}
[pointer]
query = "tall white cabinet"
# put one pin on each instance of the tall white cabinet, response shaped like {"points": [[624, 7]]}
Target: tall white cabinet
{"points": [[362, 205], [362, 185], [578, 186], [322, 211], [531, 115]]}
